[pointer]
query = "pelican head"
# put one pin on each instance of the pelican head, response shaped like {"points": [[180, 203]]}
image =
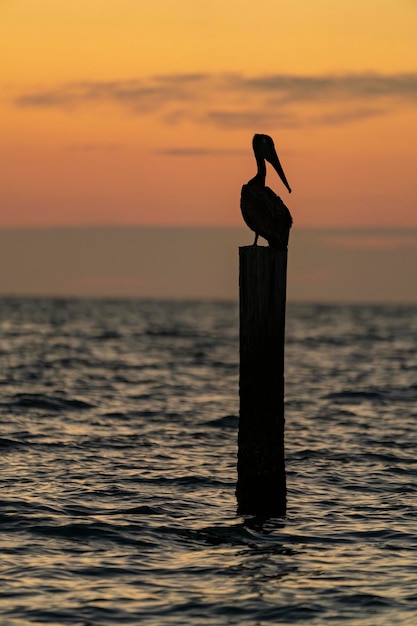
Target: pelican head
{"points": [[264, 149]]}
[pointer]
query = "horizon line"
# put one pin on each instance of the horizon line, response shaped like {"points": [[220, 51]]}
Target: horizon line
{"points": [[129, 226]]}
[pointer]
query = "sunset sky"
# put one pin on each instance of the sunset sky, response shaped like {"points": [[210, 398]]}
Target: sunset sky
{"points": [[119, 112]]}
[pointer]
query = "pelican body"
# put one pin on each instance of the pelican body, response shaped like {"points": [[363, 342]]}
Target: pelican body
{"points": [[263, 211]]}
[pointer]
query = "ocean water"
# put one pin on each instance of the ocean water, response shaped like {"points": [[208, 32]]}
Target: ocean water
{"points": [[118, 468]]}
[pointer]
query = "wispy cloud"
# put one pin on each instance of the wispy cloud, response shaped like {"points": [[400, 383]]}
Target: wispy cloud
{"points": [[185, 152], [237, 101]]}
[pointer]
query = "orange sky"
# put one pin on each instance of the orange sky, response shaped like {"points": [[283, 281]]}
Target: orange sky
{"points": [[132, 112]]}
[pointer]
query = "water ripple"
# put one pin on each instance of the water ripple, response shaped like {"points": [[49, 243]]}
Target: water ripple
{"points": [[118, 468]]}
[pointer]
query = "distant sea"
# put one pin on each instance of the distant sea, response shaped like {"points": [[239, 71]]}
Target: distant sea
{"points": [[118, 468], [324, 265]]}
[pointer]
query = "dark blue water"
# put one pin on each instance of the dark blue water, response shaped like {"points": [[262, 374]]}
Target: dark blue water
{"points": [[118, 454]]}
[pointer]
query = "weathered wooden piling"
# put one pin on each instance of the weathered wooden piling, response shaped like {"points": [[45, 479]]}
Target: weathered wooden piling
{"points": [[261, 484]]}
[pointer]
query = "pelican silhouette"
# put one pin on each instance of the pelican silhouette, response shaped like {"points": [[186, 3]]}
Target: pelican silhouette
{"points": [[263, 211]]}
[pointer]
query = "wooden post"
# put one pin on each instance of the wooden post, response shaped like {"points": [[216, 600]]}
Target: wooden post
{"points": [[261, 484]]}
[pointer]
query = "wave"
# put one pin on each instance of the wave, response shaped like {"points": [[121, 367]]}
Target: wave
{"points": [[48, 403]]}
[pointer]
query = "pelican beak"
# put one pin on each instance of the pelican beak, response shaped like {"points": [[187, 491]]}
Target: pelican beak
{"points": [[274, 161]]}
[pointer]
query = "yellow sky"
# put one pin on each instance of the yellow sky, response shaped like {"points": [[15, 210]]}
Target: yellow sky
{"points": [[129, 111]]}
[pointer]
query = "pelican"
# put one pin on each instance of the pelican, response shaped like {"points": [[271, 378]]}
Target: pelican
{"points": [[263, 211]]}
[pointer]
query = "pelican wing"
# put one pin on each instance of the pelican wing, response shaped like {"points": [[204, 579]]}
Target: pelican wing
{"points": [[266, 214]]}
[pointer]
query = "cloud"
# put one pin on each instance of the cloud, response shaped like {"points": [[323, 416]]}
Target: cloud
{"points": [[185, 152], [352, 86], [356, 114], [251, 118], [140, 95], [235, 101]]}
